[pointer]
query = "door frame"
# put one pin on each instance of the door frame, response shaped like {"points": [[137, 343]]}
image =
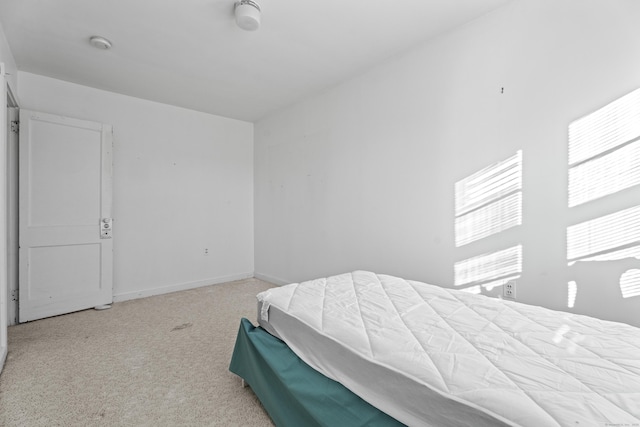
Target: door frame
{"points": [[7, 99], [13, 112]]}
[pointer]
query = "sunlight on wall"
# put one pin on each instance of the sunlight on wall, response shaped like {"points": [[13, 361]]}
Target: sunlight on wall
{"points": [[573, 292], [489, 270], [607, 233], [487, 203], [605, 175], [605, 129], [604, 159], [630, 283], [490, 219]]}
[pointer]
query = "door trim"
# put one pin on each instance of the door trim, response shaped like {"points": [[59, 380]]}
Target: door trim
{"points": [[12, 214], [6, 98]]}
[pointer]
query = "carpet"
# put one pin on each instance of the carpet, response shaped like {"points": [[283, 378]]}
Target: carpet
{"points": [[157, 361]]}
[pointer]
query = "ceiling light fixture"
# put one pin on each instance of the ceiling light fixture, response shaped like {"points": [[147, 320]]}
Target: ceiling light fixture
{"points": [[247, 15], [100, 42]]}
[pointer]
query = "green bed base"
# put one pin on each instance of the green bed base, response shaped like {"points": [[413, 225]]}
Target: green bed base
{"points": [[293, 393]]}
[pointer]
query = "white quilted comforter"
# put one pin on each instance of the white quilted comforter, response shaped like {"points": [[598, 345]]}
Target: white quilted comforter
{"points": [[434, 356]]}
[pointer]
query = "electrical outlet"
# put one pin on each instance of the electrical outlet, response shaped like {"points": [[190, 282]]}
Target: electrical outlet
{"points": [[206, 251], [509, 289]]}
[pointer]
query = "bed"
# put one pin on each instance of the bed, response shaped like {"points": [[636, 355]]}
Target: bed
{"points": [[405, 352]]}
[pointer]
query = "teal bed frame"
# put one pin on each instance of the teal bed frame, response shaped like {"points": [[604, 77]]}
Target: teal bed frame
{"points": [[293, 393]]}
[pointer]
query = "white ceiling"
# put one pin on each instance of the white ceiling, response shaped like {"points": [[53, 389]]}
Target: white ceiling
{"points": [[191, 54]]}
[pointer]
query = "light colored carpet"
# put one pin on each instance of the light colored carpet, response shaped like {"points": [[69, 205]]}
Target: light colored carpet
{"points": [[158, 361]]}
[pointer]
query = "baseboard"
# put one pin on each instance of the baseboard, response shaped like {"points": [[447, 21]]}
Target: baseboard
{"points": [[271, 279], [125, 296]]}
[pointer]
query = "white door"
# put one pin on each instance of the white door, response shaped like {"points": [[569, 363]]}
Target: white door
{"points": [[66, 245]]}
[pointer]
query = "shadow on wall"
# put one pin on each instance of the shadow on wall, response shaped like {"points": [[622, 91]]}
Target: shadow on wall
{"points": [[597, 286], [604, 187], [603, 232]]}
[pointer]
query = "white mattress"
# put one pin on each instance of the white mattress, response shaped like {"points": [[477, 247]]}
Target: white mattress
{"points": [[433, 356]]}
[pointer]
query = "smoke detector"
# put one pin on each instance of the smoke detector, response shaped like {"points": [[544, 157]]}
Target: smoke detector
{"points": [[100, 42], [247, 15]]}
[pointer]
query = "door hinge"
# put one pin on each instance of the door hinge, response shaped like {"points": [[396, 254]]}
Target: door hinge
{"points": [[14, 295], [15, 126]]}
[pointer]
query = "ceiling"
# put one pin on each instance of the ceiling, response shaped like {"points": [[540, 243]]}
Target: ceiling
{"points": [[191, 54]]}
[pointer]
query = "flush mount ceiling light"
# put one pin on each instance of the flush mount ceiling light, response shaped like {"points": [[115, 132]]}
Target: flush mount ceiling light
{"points": [[247, 15], [100, 42]]}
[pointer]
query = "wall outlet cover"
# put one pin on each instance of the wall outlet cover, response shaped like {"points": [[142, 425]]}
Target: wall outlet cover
{"points": [[509, 289]]}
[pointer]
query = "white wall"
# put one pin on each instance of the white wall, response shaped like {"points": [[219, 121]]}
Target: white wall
{"points": [[10, 64], [183, 182], [362, 176]]}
